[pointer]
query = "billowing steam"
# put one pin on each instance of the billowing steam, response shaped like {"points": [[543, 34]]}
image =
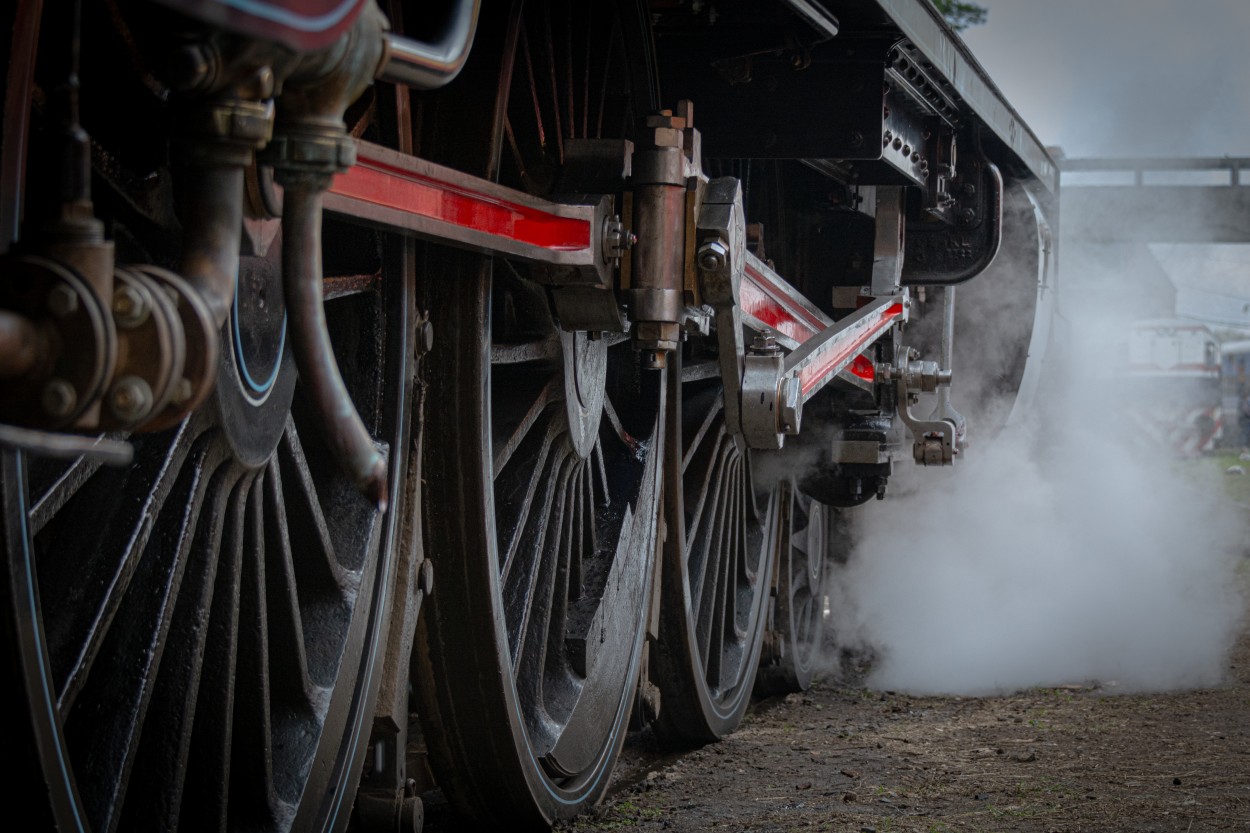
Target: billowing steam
{"points": [[1061, 552]]}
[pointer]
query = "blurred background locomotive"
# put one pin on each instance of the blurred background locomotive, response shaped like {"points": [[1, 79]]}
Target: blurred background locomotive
{"points": [[1170, 387]]}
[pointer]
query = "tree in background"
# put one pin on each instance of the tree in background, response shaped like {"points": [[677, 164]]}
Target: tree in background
{"points": [[961, 15]]}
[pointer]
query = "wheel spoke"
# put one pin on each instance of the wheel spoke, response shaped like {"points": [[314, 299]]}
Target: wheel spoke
{"points": [[613, 42], [299, 515], [513, 532], [542, 350], [47, 501], [602, 470], [106, 731], [507, 444], [530, 604], [177, 704], [555, 94], [288, 657], [696, 442], [590, 12], [533, 89], [212, 735], [73, 567]]}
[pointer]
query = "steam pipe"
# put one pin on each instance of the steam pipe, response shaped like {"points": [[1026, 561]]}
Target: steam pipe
{"points": [[948, 343], [310, 145], [428, 66], [349, 442], [213, 218], [944, 410]]}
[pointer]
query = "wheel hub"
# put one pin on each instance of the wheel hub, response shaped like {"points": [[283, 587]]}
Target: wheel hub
{"points": [[257, 376], [585, 375]]}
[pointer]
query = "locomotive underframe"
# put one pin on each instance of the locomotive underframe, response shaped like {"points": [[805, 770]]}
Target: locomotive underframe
{"points": [[637, 237]]}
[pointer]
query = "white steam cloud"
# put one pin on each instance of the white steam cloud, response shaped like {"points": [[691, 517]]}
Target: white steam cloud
{"points": [[1058, 553]]}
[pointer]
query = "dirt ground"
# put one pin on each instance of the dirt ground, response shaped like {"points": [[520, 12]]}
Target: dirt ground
{"points": [[841, 758]]}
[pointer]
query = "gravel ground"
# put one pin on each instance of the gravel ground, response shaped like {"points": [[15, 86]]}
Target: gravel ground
{"points": [[842, 758]]}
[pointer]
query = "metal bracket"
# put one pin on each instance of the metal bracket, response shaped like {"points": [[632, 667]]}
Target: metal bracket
{"points": [[887, 255], [935, 438], [720, 256]]}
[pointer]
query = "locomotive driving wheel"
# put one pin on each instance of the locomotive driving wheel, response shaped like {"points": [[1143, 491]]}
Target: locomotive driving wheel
{"points": [[723, 534], [196, 636], [542, 453], [797, 618]]}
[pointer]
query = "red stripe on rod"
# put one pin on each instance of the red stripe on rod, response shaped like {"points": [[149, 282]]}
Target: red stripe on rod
{"points": [[760, 299], [811, 376], [384, 185]]}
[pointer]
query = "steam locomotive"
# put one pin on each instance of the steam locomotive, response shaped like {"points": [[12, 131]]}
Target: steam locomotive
{"points": [[498, 363]]}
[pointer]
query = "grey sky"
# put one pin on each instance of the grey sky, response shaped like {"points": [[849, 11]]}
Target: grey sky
{"points": [[1135, 78], [1124, 77]]}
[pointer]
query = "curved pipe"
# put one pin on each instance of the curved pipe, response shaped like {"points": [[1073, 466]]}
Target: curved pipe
{"points": [[428, 66], [213, 219], [349, 442]]}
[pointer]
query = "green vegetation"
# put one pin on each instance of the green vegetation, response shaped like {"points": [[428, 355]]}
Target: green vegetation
{"points": [[961, 15], [1205, 470]]}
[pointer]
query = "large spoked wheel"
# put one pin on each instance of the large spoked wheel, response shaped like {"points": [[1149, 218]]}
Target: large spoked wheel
{"points": [[717, 564], [542, 472], [792, 652], [196, 637]]}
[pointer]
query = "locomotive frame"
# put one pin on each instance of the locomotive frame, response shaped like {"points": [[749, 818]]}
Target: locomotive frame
{"points": [[491, 425]]}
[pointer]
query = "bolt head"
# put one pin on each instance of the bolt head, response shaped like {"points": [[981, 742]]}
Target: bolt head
{"points": [[183, 389], [58, 398], [713, 255], [790, 413], [62, 301], [130, 399], [130, 307]]}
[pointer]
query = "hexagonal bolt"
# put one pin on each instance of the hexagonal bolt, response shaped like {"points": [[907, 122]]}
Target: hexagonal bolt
{"points": [[130, 306], [790, 410], [764, 343], [58, 398], [62, 301], [130, 399], [713, 255], [183, 389]]}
